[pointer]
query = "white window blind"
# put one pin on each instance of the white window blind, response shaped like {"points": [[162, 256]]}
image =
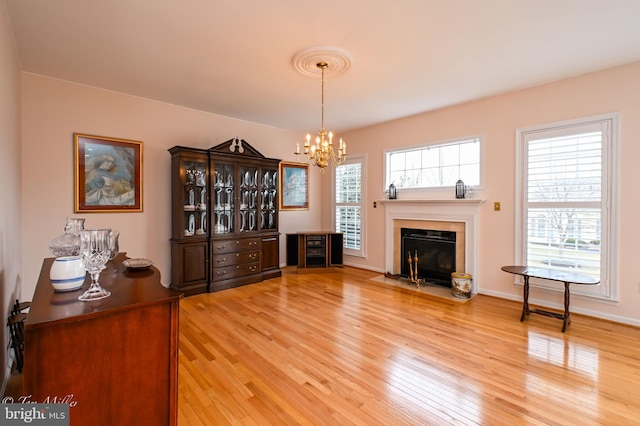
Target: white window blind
{"points": [[566, 197], [348, 206]]}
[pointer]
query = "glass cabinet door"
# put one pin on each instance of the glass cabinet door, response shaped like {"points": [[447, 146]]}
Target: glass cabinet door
{"points": [[194, 198], [269, 199], [223, 202], [249, 191]]}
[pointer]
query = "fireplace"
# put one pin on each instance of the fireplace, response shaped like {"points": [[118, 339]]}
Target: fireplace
{"points": [[435, 251], [459, 216]]}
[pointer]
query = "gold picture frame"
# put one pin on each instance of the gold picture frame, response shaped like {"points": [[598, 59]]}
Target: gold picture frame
{"points": [[294, 186], [108, 174]]}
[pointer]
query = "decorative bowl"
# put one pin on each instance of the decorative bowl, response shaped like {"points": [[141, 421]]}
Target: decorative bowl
{"points": [[140, 263], [67, 273]]}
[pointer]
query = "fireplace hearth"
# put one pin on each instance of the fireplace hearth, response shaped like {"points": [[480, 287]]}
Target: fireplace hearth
{"points": [[435, 251]]}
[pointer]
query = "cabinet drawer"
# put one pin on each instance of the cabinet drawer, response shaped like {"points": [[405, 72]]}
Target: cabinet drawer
{"points": [[234, 271], [234, 245], [228, 259]]}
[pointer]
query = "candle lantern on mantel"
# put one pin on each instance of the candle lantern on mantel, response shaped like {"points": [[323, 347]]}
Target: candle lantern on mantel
{"points": [[460, 189], [393, 192]]}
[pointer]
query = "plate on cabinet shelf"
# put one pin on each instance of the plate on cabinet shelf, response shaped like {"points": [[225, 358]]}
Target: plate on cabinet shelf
{"points": [[137, 263]]}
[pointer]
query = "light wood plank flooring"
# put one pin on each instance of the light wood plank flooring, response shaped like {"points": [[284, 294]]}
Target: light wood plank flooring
{"points": [[340, 349]]}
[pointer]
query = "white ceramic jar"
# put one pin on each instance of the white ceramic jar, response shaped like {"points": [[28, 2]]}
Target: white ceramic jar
{"points": [[67, 273]]}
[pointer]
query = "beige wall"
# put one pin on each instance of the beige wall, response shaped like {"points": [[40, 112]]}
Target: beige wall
{"points": [[496, 119], [10, 242], [53, 110]]}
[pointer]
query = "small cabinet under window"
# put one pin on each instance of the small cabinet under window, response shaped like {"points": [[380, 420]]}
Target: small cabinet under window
{"points": [[308, 250]]}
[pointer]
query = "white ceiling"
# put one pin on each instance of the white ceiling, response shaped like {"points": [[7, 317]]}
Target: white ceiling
{"points": [[233, 57]]}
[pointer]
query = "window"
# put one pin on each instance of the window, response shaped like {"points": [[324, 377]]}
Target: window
{"points": [[435, 165], [349, 204], [567, 199]]}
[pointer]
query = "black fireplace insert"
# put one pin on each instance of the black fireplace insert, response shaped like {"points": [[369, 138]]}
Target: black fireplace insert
{"points": [[436, 252]]}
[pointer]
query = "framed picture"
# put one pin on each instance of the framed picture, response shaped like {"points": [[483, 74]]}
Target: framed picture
{"points": [[108, 174], [294, 186]]}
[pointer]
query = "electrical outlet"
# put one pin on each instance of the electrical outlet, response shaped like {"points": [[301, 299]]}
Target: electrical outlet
{"points": [[375, 204], [496, 206]]}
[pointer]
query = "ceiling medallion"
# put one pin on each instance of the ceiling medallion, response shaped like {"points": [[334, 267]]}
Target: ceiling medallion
{"points": [[306, 61]]}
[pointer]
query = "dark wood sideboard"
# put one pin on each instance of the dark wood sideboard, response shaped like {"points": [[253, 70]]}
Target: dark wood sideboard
{"points": [[114, 360]]}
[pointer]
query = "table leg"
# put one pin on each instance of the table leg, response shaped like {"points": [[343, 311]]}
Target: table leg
{"points": [[566, 318], [525, 298]]}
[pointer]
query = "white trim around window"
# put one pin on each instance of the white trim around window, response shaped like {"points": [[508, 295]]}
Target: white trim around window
{"points": [[435, 165], [355, 244], [570, 166]]}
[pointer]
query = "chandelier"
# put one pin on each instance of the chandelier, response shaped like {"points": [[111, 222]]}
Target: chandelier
{"points": [[322, 151]]}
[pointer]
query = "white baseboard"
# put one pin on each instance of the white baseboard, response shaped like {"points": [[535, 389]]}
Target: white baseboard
{"points": [[560, 307]]}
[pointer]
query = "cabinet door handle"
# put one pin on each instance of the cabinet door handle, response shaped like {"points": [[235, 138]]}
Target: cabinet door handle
{"points": [[222, 273], [252, 268], [222, 260], [220, 247]]}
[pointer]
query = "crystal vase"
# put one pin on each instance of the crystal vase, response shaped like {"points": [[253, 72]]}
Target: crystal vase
{"points": [[68, 244]]}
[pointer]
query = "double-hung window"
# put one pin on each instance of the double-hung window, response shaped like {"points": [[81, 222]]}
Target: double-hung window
{"points": [[348, 204], [567, 199]]}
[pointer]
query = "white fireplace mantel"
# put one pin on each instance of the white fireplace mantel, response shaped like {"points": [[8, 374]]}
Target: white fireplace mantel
{"points": [[443, 210]]}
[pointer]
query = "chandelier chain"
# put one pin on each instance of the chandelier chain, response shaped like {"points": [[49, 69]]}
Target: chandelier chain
{"points": [[320, 153]]}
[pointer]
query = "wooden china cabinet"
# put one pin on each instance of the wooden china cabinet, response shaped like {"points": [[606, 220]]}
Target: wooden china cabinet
{"points": [[189, 221], [225, 232]]}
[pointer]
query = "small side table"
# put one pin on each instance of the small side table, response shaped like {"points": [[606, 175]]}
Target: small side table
{"points": [[549, 274]]}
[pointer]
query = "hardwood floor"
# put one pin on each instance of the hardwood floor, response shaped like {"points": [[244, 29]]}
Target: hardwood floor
{"points": [[340, 349]]}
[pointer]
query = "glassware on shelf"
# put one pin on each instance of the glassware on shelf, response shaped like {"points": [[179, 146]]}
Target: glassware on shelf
{"points": [[201, 178], [243, 220], [202, 230], [190, 176], [94, 249], [68, 244], [202, 205], [192, 224]]}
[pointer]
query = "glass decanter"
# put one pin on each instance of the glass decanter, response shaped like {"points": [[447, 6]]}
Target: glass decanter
{"points": [[68, 244]]}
